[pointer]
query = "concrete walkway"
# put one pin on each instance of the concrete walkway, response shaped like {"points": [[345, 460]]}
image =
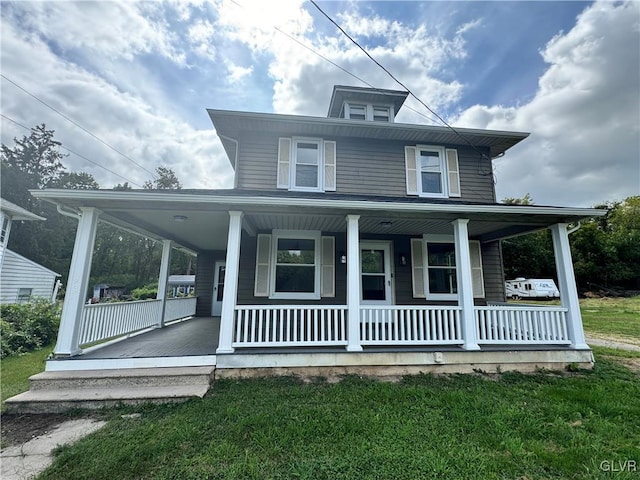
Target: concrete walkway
{"points": [[26, 461], [605, 342]]}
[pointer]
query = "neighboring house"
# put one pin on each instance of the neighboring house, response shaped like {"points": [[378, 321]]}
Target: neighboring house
{"points": [[182, 285], [349, 243], [102, 291], [20, 278]]}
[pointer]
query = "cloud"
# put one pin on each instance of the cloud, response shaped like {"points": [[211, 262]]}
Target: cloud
{"points": [[142, 131], [584, 119]]}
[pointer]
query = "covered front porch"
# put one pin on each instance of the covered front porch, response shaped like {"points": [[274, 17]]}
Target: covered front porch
{"points": [[247, 325]]}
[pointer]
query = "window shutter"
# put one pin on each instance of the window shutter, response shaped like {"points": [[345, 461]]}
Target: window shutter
{"points": [[263, 255], [477, 279], [417, 268], [453, 171], [330, 166], [284, 162], [328, 271], [412, 170]]}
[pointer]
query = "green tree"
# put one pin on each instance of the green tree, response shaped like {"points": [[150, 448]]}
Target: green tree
{"points": [[167, 180]]}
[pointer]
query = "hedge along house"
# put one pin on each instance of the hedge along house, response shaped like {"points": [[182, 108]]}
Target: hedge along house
{"points": [[348, 243]]}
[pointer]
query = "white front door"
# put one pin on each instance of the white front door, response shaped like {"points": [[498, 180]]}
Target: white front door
{"points": [[218, 288], [375, 273]]}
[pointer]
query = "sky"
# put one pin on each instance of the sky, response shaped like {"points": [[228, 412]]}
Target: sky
{"points": [[140, 76]]}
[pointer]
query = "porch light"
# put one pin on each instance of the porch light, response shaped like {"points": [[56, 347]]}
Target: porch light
{"points": [[386, 224], [403, 259], [180, 218]]}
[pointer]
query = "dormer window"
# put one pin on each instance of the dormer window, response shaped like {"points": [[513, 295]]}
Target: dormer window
{"points": [[375, 113]]}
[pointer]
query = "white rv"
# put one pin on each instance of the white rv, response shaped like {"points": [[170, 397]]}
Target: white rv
{"points": [[531, 288]]}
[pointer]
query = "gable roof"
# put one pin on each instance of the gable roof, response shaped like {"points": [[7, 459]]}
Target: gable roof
{"points": [[230, 125], [25, 260], [17, 213], [343, 93]]}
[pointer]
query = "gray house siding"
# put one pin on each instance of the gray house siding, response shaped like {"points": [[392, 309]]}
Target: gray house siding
{"points": [[363, 167], [401, 274], [493, 273]]}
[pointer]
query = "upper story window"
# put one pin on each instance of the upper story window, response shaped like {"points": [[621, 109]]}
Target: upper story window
{"points": [[376, 113], [4, 228], [432, 171], [306, 164]]}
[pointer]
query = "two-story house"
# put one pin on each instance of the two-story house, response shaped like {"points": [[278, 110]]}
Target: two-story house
{"points": [[349, 243]]}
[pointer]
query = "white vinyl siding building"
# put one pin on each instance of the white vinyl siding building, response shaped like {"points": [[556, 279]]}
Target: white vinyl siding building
{"points": [[22, 279]]}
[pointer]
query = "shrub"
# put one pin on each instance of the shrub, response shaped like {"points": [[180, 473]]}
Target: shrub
{"points": [[146, 292], [28, 326]]}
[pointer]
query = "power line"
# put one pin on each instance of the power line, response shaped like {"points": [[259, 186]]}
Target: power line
{"points": [[291, 37], [78, 125], [444, 122], [75, 153]]}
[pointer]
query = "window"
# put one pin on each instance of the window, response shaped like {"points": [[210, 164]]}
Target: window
{"points": [[357, 112], [432, 171], [293, 264], [306, 161], [24, 294], [5, 229], [306, 164], [381, 114], [434, 268]]}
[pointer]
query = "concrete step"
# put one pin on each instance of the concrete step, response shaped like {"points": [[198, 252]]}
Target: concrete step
{"points": [[60, 400], [55, 392], [122, 378]]}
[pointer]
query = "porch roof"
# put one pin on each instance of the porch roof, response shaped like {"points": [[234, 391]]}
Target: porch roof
{"points": [[160, 214]]}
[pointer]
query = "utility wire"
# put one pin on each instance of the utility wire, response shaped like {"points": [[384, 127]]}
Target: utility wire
{"points": [[323, 57], [75, 153], [444, 122], [78, 125]]}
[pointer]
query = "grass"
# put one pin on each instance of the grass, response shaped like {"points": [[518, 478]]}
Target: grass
{"points": [[15, 371], [618, 317], [460, 427]]}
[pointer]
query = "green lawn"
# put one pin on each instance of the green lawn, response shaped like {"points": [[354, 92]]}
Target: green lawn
{"points": [[15, 371], [460, 427], [619, 317]]}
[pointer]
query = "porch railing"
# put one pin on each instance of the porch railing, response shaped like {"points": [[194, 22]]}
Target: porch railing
{"points": [[290, 325], [521, 324], [108, 320], [410, 325]]}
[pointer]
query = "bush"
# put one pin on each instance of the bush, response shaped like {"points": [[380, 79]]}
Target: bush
{"points": [[146, 292], [28, 326]]}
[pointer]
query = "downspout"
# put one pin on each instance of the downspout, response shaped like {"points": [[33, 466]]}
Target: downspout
{"points": [[67, 213], [235, 160], [574, 229]]}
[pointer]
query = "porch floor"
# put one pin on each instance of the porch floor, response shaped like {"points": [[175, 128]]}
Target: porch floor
{"points": [[196, 336]]}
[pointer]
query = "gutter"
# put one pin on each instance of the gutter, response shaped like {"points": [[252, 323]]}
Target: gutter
{"points": [[87, 195]]}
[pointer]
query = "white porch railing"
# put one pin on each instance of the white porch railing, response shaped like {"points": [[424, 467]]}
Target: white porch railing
{"points": [[107, 320], [290, 325], [410, 325], [181, 307], [522, 324]]}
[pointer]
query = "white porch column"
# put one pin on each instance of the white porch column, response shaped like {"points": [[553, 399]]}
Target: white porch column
{"points": [[567, 284], [465, 285], [163, 279], [353, 284], [76, 294], [230, 283]]}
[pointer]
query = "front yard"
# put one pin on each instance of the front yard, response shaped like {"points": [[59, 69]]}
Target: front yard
{"points": [[569, 425]]}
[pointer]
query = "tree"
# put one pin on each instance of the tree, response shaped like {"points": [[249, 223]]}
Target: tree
{"points": [[167, 180]]}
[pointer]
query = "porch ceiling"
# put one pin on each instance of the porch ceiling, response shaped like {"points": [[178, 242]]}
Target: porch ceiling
{"points": [[205, 227]]}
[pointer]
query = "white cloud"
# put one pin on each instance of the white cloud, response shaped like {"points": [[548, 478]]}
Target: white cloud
{"points": [[584, 119], [142, 131], [201, 35]]}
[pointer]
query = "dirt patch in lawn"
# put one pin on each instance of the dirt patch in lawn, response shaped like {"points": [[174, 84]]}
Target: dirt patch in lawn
{"points": [[18, 429]]}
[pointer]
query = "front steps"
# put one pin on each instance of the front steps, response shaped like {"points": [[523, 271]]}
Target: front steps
{"points": [[56, 392]]}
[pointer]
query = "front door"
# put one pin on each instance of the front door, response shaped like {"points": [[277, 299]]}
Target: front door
{"points": [[218, 288], [375, 273]]}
